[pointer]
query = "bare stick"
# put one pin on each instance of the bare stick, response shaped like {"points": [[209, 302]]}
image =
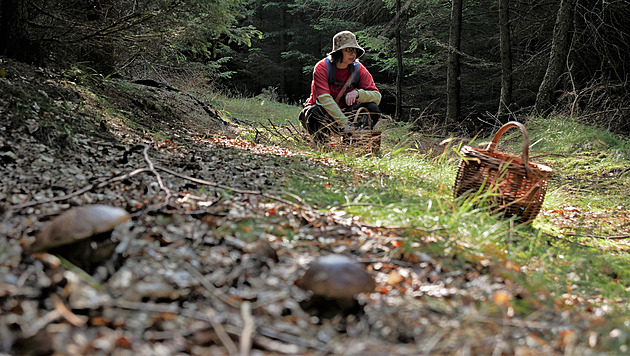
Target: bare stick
{"points": [[66, 313], [300, 132], [157, 175], [622, 237], [276, 130], [209, 317], [80, 191], [37, 325], [216, 292], [221, 333], [213, 184], [248, 328]]}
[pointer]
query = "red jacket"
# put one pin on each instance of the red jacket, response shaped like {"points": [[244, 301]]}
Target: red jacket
{"points": [[320, 84]]}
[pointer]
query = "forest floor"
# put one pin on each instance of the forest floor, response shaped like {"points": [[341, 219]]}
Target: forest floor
{"points": [[207, 263]]}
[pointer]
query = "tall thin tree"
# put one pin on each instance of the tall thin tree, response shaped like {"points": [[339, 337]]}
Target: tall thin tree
{"points": [[557, 56], [453, 84], [506, 55], [399, 59]]}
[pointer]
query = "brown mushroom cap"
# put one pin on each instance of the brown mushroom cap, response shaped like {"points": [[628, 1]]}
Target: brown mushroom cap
{"points": [[336, 276], [77, 224]]}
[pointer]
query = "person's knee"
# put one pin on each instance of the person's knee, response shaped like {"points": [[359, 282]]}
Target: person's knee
{"points": [[373, 107], [314, 119]]}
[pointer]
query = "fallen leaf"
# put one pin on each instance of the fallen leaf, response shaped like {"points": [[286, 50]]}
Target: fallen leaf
{"points": [[394, 278], [501, 298]]}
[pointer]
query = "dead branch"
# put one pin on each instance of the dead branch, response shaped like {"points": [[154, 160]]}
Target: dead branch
{"points": [[157, 175], [236, 190], [208, 317], [63, 310], [621, 237], [248, 328], [216, 292], [284, 138], [80, 191], [303, 135]]}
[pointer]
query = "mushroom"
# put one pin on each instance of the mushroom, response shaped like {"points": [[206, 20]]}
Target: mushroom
{"points": [[78, 224], [336, 278]]}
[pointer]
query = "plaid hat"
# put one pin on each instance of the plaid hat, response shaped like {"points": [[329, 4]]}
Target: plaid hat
{"points": [[346, 39]]}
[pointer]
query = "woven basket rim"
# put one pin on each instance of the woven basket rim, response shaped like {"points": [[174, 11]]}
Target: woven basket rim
{"points": [[486, 156]]}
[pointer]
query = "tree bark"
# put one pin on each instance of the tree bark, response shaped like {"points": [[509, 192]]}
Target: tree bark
{"points": [[506, 56], [453, 85], [557, 56], [14, 40], [399, 59]]}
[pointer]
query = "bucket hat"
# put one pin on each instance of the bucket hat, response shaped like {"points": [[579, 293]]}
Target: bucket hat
{"points": [[346, 39]]}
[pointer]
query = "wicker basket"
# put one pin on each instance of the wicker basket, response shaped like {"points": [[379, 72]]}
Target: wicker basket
{"points": [[362, 142], [519, 184], [366, 141]]}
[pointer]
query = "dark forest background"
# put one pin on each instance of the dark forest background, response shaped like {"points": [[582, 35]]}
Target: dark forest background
{"points": [[456, 64]]}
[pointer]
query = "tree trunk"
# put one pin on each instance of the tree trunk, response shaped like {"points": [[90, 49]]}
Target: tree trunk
{"points": [[399, 69], [14, 40], [283, 47], [453, 100], [506, 56], [557, 57]]}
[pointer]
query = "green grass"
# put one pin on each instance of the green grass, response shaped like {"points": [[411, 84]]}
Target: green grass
{"points": [[261, 109]]}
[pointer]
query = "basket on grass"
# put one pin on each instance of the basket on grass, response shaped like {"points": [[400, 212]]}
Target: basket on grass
{"points": [[362, 141], [518, 185]]}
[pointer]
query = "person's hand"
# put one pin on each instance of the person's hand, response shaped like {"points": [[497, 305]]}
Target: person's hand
{"points": [[351, 97]]}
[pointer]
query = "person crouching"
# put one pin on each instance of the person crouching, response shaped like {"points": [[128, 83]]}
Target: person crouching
{"points": [[341, 85]]}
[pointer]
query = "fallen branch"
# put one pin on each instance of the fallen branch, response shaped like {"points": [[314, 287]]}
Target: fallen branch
{"points": [[303, 135], [80, 191], [622, 237], [276, 130], [248, 328], [208, 317], [157, 175], [154, 168], [236, 190], [216, 292], [66, 313], [221, 333], [37, 325]]}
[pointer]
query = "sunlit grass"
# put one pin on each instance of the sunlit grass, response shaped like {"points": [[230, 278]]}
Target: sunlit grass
{"points": [[261, 109]]}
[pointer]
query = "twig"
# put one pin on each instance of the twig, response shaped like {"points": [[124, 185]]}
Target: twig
{"points": [[217, 185], [276, 130], [248, 328], [208, 317], [205, 182], [304, 136], [221, 333], [154, 169], [66, 313], [157, 175], [622, 237], [80, 191], [211, 288], [41, 323]]}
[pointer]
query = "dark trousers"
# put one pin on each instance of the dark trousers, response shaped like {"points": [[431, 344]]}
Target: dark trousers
{"points": [[320, 125]]}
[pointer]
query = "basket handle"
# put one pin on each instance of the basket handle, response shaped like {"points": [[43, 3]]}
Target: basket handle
{"points": [[525, 154], [356, 116]]}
